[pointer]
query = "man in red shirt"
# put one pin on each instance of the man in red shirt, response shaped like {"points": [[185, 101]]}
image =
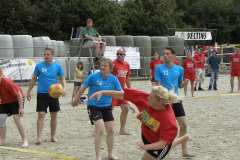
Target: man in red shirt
{"points": [[122, 72], [200, 60], [235, 68], [12, 103]]}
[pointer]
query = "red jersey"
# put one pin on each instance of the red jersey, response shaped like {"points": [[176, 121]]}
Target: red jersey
{"points": [[189, 66], [235, 59], [156, 124], [199, 57], [153, 65], [176, 62], [8, 91], [121, 71]]}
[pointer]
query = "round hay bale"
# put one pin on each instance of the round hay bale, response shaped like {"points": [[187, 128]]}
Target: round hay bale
{"points": [[54, 47], [158, 45], [111, 40], [124, 41], [144, 44], [177, 43], [24, 44], [75, 44], [6, 45], [61, 49], [39, 44]]}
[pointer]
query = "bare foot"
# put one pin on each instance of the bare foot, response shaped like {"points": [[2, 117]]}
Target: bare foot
{"points": [[238, 91], [38, 142], [112, 157], [3, 143], [124, 133], [54, 140], [99, 158], [230, 92], [187, 154], [25, 144]]}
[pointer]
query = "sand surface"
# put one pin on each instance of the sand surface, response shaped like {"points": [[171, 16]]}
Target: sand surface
{"points": [[212, 118]]}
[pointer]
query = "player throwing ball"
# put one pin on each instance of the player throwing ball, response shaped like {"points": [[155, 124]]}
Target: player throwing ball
{"points": [[159, 127]]}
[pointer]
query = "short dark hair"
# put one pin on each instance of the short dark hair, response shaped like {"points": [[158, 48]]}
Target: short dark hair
{"points": [[172, 50], [49, 49], [201, 49], [89, 20]]}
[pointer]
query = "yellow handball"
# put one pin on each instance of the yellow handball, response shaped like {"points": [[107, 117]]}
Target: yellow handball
{"points": [[55, 90]]}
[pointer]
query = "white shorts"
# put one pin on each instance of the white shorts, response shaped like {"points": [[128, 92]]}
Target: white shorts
{"points": [[200, 75]]}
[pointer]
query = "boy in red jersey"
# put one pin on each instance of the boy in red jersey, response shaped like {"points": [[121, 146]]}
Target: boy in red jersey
{"points": [[159, 127], [12, 103], [200, 60], [235, 68], [189, 66], [154, 63]]}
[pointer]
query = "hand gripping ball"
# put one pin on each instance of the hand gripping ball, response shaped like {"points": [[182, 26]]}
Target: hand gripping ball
{"points": [[55, 90]]}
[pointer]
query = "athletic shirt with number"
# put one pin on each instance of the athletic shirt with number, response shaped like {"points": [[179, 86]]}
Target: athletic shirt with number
{"points": [[153, 65], [121, 71], [169, 76], [156, 124], [189, 66], [8, 91], [235, 59], [97, 83], [47, 75], [79, 74]]}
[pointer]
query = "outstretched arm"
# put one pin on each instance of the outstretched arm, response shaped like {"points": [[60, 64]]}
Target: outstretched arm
{"points": [[114, 94], [183, 83], [77, 97]]}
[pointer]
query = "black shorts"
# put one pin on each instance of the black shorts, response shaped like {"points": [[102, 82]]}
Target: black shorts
{"points": [[44, 100], [153, 80], [158, 154], [178, 109], [11, 108], [96, 113], [77, 83]]}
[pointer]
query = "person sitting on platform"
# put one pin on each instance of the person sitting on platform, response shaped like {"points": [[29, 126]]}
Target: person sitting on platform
{"points": [[93, 39]]}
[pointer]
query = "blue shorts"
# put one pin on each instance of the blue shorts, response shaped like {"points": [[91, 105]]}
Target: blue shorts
{"points": [[77, 83]]}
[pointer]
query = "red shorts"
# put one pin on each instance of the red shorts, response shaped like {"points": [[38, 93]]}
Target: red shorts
{"points": [[118, 102], [235, 73], [191, 77]]}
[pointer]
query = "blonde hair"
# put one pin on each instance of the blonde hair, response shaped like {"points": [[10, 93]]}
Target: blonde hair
{"points": [[109, 61], [162, 94]]}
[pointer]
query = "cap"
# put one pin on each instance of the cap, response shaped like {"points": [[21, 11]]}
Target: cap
{"points": [[215, 51]]}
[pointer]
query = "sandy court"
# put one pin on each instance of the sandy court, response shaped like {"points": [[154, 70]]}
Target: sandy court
{"points": [[213, 125]]}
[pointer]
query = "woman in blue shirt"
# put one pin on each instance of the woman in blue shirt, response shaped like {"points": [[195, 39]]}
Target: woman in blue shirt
{"points": [[100, 112]]}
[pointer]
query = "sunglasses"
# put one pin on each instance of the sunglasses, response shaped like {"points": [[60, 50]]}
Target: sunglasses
{"points": [[120, 54]]}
